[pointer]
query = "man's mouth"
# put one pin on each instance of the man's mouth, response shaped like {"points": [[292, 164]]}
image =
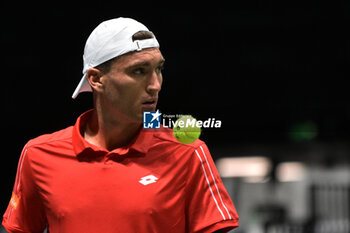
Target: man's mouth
{"points": [[150, 103]]}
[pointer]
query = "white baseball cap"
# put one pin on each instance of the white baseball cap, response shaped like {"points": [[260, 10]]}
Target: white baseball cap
{"points": [[110, 39]]}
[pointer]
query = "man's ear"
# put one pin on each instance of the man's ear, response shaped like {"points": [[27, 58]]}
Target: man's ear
{"points": [[93, 76]]}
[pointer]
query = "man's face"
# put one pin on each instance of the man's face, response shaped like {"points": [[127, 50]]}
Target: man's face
{"points": [[132, 84]]}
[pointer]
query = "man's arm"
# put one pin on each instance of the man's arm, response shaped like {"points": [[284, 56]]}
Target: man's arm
{"points": [[25, 211], [209, 206]]}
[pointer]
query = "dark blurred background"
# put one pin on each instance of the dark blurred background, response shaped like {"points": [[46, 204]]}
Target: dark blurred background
{"points": [[274, 72]]}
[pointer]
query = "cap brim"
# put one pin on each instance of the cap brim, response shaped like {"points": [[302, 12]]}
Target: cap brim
{"points": [[83, 86]]}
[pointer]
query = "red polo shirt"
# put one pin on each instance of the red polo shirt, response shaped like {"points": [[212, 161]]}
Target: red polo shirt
{"points": [[155, 184]]}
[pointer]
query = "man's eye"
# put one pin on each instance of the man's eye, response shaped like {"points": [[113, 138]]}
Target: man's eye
{"points": [[159, 69], [139, 71]]}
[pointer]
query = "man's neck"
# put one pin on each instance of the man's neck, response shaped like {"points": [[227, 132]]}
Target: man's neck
{"points": [[105, 131]]}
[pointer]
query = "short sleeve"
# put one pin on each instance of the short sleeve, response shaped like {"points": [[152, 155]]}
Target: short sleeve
{"points": [[209, 207], [25, 211]]}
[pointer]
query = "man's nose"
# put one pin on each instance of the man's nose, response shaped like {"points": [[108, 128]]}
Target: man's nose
{"points": [[155, 83]]}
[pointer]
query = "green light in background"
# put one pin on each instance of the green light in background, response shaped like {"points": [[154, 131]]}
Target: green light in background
{"points": [[304, 131]]}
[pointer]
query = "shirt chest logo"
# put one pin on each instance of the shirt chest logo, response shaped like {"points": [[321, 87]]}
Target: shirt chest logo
{"points": [[146, 180]]}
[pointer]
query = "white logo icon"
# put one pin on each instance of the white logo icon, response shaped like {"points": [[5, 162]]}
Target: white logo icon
{"points": [[151, 120], [148, 180]]}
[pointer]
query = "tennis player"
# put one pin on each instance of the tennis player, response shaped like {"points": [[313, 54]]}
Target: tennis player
{"points": [[108, 174]]}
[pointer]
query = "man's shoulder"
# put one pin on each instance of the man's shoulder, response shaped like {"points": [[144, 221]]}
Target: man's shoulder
{"points": [[166, 146], [62, 135], [166, 136]]}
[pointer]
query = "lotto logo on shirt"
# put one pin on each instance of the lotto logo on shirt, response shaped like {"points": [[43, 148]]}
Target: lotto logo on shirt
{"points": [[151, 120]]}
